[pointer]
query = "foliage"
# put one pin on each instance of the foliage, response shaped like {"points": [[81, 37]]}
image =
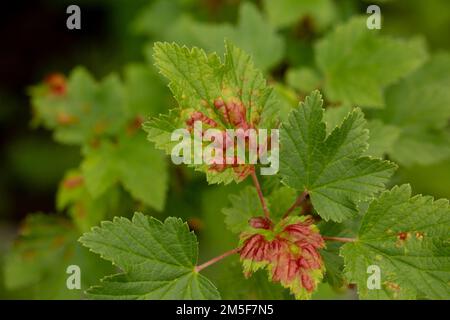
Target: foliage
{"points": [[353, 105]]}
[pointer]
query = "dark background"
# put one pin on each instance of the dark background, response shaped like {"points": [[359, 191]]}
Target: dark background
{"points": [[36, 42]]}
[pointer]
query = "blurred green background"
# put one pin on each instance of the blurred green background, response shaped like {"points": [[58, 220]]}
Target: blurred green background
{"points": [[36, 42]]}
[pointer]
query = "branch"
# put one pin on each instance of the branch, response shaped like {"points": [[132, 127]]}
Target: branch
{"points": [[260, 194], [339, 239], [216, 259], [297, 203]]}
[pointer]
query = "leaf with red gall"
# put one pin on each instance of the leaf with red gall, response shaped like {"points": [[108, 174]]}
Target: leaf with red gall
{"points": [[227, 142], [288, 250], [199, 116], [233, 112], [260, 223], [80, 109], [222, 94], [57, 84]]}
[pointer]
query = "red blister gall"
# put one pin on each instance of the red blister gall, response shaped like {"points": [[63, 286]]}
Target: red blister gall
{"points": [[57, 83], [289, 251]]}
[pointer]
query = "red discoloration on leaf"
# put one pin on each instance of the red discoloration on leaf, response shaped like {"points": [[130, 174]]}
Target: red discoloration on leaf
{"points": [[64, 118], [392, 286], [218, 103], [260, 223], [241, 170], [289, 250], [230, 113], [73, 182], [199, 116], [57, 84], [135, 124], [233, 112], [256, 248], [402, 236]]}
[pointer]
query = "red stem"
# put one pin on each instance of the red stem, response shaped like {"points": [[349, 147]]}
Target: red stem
{"points": [[297, 203], [340, 239], [216, 259], [260, 194]]}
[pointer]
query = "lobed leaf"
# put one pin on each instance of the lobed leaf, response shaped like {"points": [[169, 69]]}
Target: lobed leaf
{"points": [[141, 169], [419, 107], [408, 239], [330, 168], [358, 64], [157, 260]]}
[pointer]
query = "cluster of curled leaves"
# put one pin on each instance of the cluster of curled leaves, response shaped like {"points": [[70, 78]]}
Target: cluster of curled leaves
{"points": [[326, 174], [332, 180]]}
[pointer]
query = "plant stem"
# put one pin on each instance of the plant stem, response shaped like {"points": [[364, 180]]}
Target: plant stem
{"points": [[260, 194], [216, 259], [297, 203], [339, 239]]}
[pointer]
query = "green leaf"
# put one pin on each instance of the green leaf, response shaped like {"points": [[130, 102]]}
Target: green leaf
{"points": [[382, 138], [408, 239], [243, 207], [358, 64], [419, 106], [286, 99], [134, 163], [87, 111], [303, 79], [90, 110], [421, 146], [197, 81], [188, 31], [334, 263], [85, 210], [256, 36], [37, 262], [247, 205], [247, 82], [193, 75], [280, 200], [152, 19], [284, 13], [144, 91], [157, 260], [252, 33], [159, 130], [333, 116], [331, 168], [421, 99]]}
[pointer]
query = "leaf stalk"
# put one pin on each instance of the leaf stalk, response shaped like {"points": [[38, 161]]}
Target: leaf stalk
{"points": [[260, 194], [339, 239], [216, 259]]}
